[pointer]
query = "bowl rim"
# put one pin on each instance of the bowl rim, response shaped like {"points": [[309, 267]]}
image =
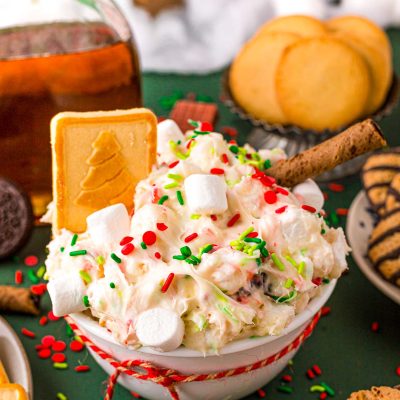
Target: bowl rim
{"points": [[91, 326]]}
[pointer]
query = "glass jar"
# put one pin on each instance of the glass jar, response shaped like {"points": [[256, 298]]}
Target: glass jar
{"points": [[58, 55]]}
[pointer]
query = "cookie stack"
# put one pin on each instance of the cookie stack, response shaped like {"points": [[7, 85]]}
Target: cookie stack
{"points": [[381, 180], [313, 74]]}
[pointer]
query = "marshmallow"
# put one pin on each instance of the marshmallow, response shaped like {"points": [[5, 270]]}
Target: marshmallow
{"points": [[167, 130], [160, 328], [108, 225], [309, 193], [66, 294], [314, 8], [206, 194]]}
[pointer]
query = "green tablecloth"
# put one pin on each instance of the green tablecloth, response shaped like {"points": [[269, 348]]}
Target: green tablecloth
{"points": [[349, 353]]}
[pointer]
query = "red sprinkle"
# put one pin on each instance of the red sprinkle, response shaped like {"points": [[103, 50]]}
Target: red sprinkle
{"points": [[398, 370], [135, 395], [52, 317], [167, 282], [76, 346], [58, 357], [375, 326], [229, 130], [31, 261], [326, 196], [157, 255], [336, 187], [280, 210], [310, 374], [317, 281], [82, 368], [287, 378], [206, 127], [323, 396], [270, 197], [39, 347], [173, 164], [149, 238], [44, 353], [126, 240], [217, 171], [154, 195], [252, 235], [48, 340], [308, 208], [261, 393], [224, 158], [233, 220], [39, 289], [43, 320], [189, 143], [325, 311], [232, 141], [28, 333], [317, 369], [342, 211], [191, 237], [281, 190], [58, 345], [127, 249], [161, 226], [213, 217], [18, 277]]}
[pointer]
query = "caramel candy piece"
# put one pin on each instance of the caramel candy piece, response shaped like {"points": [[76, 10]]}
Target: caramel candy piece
{"points": [[12, 391], [98, 158]]}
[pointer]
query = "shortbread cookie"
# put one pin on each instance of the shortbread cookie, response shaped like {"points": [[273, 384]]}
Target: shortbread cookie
{"points": [[98, 157], [322, 83], [377, 175], [376, 393], [393, 195], [384, 247], [252, 75]]}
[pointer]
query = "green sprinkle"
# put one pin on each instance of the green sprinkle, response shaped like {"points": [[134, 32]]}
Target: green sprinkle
{"points": [[163, 199], [323, 231], [246, 232], [179, 257], [85, 276], [288, 283], [143, 245], [100, 260], [267, 164], [185, 251], [179, 197], [77, 253], [195, 216], [60, 365], [74, 239], [32, 276], [334, 218], [264, 252], [252, 240], [62, 249], [317, 388], [292, 261], [328, 389], [326, 280], [61, 396], [171, 185], [41, 271], [284, 389], [234, 149], [194, 259], [290, 363], [175, 177], [261, 244], [207, 248], [174, 148], [301, 267], [194, 123], [304, 251], [112, 285], [115, 258], [86, 301], [284, 299], [258, 261], [277, 262], [69, 331]]}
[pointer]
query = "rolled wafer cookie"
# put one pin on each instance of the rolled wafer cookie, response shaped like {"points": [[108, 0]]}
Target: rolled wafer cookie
{"points": [[20, 300], [356, 140]]}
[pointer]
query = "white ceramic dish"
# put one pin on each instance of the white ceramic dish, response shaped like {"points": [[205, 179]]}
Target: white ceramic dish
{"points": [[13, 356], [358, 229], [235, 354]]}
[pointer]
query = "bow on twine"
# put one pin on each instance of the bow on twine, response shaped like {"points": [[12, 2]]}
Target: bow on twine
{"points": [[169, 378]]}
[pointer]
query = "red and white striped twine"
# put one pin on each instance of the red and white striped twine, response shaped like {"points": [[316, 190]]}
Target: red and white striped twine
{"points": [[168, 378]]}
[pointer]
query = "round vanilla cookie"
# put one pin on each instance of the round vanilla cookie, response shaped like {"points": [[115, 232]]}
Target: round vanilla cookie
{"points": [[376, 393], [252, 75], [322, 83], [302, 25]]}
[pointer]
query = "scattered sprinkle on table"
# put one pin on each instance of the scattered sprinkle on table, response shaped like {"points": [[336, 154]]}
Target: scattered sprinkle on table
{"points": [[58, 346], [285, 389], [44, 353], [48, 340], [328, 389], [32, 276], [310, 374], [317, 369], [43, 320], [52, 317], [31, 261], [60, 365], [61, 396], [18, 277], [343, 212], [28, 333], [261, 393], [82, 368], [58, 358], [76, 346], [287, 378], [325, 311], [375, 326], [336, 187]]}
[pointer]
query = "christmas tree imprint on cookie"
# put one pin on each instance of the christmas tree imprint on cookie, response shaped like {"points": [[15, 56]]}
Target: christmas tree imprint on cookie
{"points": [[108, 180]]}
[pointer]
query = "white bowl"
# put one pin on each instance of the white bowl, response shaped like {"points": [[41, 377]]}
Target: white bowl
{"points": [[236, 354]]}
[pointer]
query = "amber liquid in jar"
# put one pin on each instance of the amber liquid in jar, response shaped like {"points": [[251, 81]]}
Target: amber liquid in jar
{"points": [[69, 67]]}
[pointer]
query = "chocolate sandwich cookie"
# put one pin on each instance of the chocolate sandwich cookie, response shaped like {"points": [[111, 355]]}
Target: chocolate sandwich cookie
{"points": [[377, 175], [384, 247], [16, 218], [376, 393]]}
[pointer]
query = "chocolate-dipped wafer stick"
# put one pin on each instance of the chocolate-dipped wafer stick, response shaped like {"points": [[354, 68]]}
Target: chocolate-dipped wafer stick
{"points": [[20, 300], [360, 138]]}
